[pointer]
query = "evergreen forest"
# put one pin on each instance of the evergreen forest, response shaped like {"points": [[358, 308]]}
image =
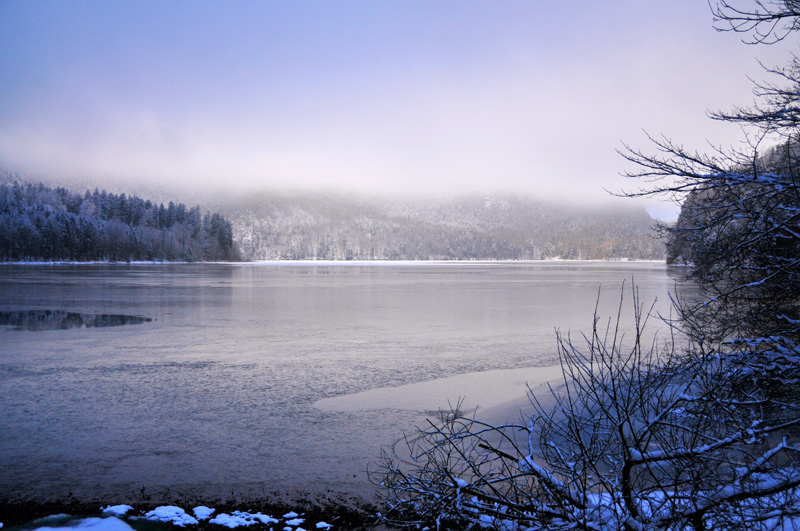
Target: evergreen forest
{"points": [[40, 223]]}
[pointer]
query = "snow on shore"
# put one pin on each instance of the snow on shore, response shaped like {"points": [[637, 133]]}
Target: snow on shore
{"points": [[119, 517]]}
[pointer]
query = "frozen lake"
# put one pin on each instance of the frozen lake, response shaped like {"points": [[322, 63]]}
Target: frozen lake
{"points": [[276, 379]]}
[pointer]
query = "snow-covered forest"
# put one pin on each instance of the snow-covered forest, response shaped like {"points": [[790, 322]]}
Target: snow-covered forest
{"points": [[505, 227], [54, 222], [39, 223]]}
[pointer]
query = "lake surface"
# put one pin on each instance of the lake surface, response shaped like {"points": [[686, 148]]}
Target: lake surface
{"points": [[268, 379]]}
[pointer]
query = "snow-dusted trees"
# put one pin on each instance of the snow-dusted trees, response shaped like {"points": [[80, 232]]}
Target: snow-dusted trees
{"points": [[739, 226], [41, 223], [640, 435], [739, 229]]}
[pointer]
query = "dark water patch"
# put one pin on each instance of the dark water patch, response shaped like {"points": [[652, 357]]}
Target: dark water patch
{"points": [[40, 320]]}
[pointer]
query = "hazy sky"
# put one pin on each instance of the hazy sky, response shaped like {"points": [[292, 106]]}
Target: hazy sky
{"points": [[431, 97]]}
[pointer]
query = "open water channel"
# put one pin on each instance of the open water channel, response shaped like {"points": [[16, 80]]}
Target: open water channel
{"points": [[278, 379]]}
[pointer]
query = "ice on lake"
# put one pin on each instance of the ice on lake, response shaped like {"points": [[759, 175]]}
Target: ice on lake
{"points": [[254, 379]]}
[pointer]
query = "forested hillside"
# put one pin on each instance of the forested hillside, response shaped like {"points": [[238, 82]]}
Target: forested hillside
{"points": [[688, 238], [338, 227], [39, 223]]}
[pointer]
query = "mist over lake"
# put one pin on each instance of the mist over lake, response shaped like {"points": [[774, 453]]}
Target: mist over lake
{"points": [[222, 385]]}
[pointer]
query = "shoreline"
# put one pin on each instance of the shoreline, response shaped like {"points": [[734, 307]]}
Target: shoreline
{"points": [[68, 514], [353, 263]]}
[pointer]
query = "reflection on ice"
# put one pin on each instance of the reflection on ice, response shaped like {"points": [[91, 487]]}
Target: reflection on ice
{"points": [[38, 320], [486, 389]]}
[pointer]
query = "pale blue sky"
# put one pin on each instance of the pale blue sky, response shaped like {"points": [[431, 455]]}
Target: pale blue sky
{"points": [[427, 97]]}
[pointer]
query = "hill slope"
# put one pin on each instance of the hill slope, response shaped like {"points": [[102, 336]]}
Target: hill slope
{"points": [[338, 227]]}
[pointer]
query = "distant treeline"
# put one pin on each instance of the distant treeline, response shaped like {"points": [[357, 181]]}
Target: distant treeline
{"points": [[500, 227], [39, 223]]}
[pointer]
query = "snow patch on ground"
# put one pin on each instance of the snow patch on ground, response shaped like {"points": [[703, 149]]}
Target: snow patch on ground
{"points": [[242, 518], [171, 513], [231, 520], [116, 510], [202, 512]]}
